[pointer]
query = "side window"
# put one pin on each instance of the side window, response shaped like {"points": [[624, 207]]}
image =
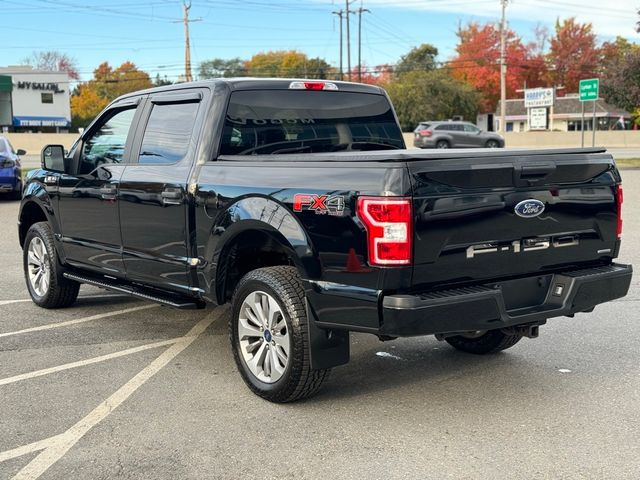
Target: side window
{"points": [[168, 133], [444, 127], [470, 128], [106, 145]]}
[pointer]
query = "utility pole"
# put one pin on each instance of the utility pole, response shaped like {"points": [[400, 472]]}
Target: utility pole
{"points": [[503, 66], [186, 6], [339, 13], [347, 13], [360, 12]]}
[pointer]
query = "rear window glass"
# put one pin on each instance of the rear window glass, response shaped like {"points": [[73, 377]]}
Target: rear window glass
{"points": [[422, 126], [286, 121], [168, 133]]}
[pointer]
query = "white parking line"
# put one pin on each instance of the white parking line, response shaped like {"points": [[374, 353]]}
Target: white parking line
{"points": [[9, 302], [88, 361], [57, 446], [27, 449], [81, 297], [49, 326]]}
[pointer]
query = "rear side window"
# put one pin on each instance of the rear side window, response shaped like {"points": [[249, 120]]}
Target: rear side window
{"points": [[168, 133], [289, 121]]}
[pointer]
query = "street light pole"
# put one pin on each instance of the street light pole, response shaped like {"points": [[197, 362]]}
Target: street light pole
{"points": [[503, 67]]}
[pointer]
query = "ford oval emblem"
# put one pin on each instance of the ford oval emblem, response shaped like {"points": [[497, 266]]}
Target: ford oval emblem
{"points": [[529, 208]]}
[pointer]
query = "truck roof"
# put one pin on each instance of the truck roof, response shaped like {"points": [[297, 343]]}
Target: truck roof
{"points": [[249, 83]]}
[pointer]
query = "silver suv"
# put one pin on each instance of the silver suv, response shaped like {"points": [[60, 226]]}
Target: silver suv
{"points": [[454, 135]]}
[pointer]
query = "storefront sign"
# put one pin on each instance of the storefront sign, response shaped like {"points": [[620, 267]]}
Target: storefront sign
{"points": [[538, 97], [49, 87], [538, 119], [25, 121]]}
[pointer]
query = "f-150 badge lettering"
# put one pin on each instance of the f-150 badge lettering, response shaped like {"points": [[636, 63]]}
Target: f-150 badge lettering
{"points": [[321, 204], [529, 208], [523, 246]]}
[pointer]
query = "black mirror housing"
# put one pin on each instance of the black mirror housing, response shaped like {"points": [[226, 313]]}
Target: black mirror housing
{"points": [[21, 152], [52, 158]]}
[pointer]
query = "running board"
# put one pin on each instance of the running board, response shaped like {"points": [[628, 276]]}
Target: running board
{"points": [[169, 300]]}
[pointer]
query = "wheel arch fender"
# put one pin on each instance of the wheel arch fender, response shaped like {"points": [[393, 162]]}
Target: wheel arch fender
{"points": [[258, 224], [36, 206]]}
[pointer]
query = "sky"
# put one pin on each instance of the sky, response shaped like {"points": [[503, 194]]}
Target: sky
{"points": [[150, 33]]}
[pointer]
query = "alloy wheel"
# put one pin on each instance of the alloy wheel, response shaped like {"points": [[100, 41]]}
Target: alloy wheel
{"points": [[263, 335], [38, 267]]}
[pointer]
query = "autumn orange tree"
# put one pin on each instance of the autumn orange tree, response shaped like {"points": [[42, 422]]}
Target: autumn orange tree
{"points": [[573, 54], [108, 83], [477, 63]]}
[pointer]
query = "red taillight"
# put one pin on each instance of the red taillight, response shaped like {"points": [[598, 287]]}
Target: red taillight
{"points": [[297, 85], [425, 133], [619, 199], [388, 223]]}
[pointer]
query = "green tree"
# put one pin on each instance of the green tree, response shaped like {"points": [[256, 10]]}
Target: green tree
{"points": [[432, 95], [419, 58], [287, 63], [620, 85], [220, 67]]}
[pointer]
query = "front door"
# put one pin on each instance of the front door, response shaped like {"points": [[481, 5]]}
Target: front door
{"points": [[88, 195], [153, 192]]}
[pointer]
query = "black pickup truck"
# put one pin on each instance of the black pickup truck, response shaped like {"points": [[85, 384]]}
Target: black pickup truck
{"points": [[297, 202]]}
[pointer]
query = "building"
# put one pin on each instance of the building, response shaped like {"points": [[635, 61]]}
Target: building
{"points": [[565, 115], [34, 100]]}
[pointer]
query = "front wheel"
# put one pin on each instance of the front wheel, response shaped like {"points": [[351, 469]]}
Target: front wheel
{"points": [[268, 330], [483, 342], [42, 271]]}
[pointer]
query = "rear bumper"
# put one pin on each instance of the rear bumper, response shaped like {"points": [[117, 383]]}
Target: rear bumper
{"points": [[515, 302]]}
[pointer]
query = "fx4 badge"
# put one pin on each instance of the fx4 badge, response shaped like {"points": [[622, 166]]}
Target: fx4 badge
{"points": [[321, 204]]}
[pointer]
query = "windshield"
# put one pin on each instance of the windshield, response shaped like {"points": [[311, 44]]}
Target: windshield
{"points": [[288, 121]]}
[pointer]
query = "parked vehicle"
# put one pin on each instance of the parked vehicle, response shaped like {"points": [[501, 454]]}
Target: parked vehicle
{"points": [[296, 202], [454, 135], [10, 169]]}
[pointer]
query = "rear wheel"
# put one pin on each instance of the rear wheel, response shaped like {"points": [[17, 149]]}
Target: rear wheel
{"points": [[43, 272], [269, 335], [493, 144], [442, 144], [483, 342]]}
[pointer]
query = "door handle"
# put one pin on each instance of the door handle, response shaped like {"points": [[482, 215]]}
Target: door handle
{"points": [[171, 196]]}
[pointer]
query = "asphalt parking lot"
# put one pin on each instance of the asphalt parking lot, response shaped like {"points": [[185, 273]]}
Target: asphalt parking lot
{"points": [[115, 387]]}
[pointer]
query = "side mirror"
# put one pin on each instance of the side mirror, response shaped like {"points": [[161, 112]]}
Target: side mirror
{"points": [[52, 158], [21, 152]]}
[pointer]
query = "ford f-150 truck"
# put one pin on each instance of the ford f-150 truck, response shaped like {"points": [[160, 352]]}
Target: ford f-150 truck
{"points": [[296, 202]]}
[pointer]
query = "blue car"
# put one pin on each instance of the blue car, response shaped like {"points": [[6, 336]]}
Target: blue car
{"points": [[10, 170]]}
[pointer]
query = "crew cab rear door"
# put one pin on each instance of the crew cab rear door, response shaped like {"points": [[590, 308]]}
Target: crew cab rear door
{"points": [[153, 191], [483, 216]]}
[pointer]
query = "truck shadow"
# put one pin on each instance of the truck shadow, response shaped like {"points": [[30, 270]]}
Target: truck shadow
{"points": [[428, 369]]}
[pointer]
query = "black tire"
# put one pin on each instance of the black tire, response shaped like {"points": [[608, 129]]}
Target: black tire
{"points": [[442, 144], [492, 144], [492, 341], [61, 292], [298, 381]]}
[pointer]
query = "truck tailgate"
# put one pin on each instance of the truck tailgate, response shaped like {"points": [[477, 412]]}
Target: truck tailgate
{"points": [[467, 229]]}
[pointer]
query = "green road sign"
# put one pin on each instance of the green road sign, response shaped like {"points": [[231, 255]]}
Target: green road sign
{"points": [[589, 89]]}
